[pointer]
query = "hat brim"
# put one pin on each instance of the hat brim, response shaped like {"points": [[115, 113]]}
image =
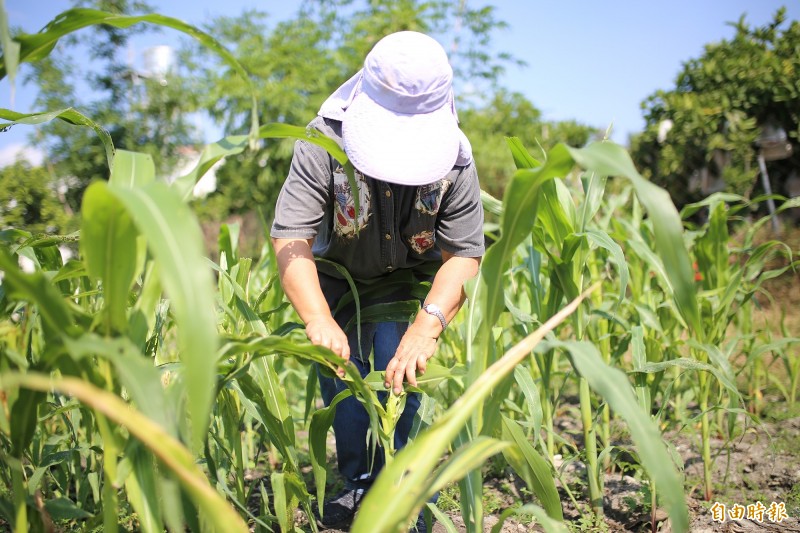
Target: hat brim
{"points": [[407, 149]]}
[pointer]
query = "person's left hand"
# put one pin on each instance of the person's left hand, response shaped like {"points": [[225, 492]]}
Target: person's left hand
{"points": [[411, 356]]}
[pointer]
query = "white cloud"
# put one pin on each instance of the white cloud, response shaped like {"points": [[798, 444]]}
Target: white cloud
{"points": [[9, 154]]}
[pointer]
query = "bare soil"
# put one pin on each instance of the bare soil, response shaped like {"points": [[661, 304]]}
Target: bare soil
{"points": [[763, 465]]}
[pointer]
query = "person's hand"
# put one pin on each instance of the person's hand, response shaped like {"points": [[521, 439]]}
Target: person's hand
{"points": [[324, 331], [412, 355]]}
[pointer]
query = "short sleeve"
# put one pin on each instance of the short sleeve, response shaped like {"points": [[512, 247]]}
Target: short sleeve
{"points": [[459, 226], [305, 194]]}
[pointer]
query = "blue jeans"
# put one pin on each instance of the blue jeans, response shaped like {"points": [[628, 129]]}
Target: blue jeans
{"points": [[351, 421]]}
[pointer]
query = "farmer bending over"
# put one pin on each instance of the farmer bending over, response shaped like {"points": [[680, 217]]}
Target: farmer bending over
{"points": [[419, 217]]}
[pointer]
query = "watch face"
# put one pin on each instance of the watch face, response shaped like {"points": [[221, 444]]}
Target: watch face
{"points": [[432, 308]]}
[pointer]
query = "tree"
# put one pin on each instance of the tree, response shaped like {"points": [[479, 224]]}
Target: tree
{"points": [[144, 114], [29, 200], [511, 114], [297, 63], [722, 102]]}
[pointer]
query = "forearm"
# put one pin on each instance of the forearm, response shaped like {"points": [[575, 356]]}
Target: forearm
{"points": [[299, 278], [447, 291], [301, 284], [419, 342]]}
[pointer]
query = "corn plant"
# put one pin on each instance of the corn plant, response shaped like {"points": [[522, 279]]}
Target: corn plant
{"points": [[143, 381], [408, 480]]}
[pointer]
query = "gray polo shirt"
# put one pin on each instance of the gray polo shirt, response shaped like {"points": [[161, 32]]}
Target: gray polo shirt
{"points": [[400, 227]]}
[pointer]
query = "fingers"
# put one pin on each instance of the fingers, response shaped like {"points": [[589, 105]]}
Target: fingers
{"points": [[422, 364], [399, 375], [405, 366], [411, 356], [411, 372], [327, 333]]}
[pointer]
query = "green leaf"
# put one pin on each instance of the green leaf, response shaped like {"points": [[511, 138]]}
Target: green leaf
{"points": [[68, 115], [280, 500], [321, 422], [211, 154], [521, 201], [532, 468], [721, 375], [176, 243], [228, 242], [594, 185], [547, 523], [173, 455], [109, 249], [10, 47], [23, 420], [37, 46], [522, 375], [277, 130], [406, 479], [71, 269], [65, 509], [263, 370], [602, 240], [353, 290], [136, 372], [522, 158], [142, 488], [275, 427], [236, 144], [613, 387], [465, 459], [612, 160], [427, 382], [36, 288], [443, 519], [639, 359], [132, 169]]}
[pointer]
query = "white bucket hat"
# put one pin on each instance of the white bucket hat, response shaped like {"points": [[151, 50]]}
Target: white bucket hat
{"points": [[399, 122]]}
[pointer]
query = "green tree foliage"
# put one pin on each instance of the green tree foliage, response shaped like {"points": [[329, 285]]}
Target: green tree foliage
{"points": [[29, 200], [297, 63], [719, 106], [148, 115], [511, 114]]}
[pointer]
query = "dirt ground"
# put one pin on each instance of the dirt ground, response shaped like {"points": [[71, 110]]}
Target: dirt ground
{"points": [[760, 466]]}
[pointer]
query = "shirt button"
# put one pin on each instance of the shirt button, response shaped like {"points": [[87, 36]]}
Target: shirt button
{"points": [[390, 268], [388, 237], [388, 193]]}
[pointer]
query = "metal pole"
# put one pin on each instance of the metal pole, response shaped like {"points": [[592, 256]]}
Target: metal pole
{"points": [[776, 225]]}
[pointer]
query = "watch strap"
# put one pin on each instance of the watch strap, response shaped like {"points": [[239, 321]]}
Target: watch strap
{"points": [[434, 310]]}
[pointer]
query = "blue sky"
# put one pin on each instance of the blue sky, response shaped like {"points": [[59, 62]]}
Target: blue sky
{"points": [[591, 61]]}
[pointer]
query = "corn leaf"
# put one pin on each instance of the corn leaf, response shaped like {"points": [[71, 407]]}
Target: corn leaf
{"points": [[612, 385], [34, 47], [172, 454], [10, 46], [532, 468], [68, 115], [175, 241], [109, 249], [321, 422], [612, 160], [132, 169], [521, 201], [406, 480]]}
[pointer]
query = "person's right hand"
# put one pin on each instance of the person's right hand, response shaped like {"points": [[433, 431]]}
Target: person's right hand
{"points": [[324, 331]]}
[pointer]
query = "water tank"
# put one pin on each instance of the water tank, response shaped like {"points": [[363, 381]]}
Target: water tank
{"points": [[158, 62]]}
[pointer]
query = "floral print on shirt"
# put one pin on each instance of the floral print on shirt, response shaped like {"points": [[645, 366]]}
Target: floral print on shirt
{"points": [[429, 197]]}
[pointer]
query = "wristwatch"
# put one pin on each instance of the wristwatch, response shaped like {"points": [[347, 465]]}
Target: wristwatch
{"points": [[433, 309]]}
